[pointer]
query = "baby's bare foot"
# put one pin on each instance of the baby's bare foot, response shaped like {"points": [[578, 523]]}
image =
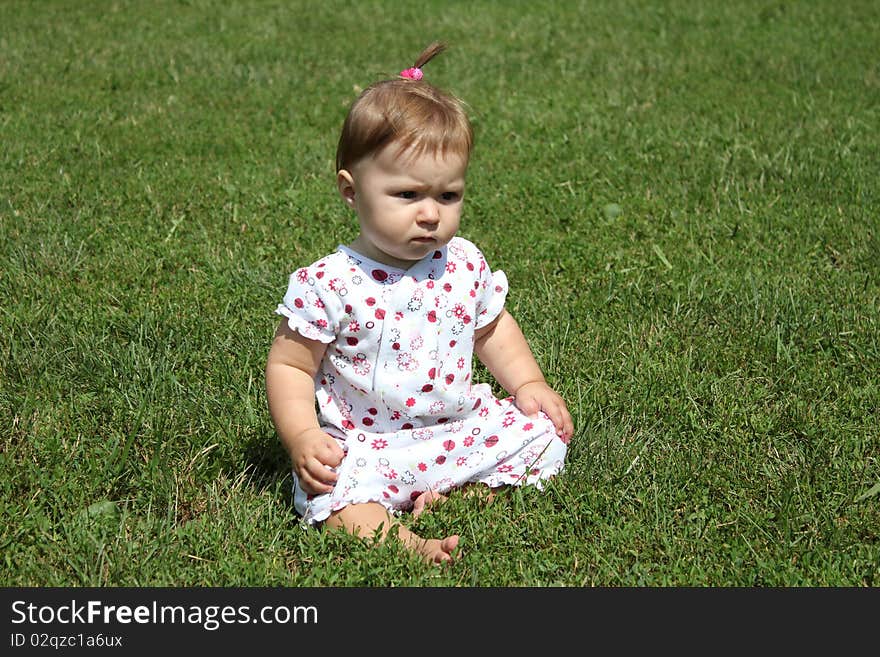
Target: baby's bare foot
{"points": [[426, 500], [373, 520], [437, 550]]}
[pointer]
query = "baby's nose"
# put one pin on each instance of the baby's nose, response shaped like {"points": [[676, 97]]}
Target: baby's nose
{"points": [[429, 212]]}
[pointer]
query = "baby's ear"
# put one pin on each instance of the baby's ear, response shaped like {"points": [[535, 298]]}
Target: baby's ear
{"points": [[345, 185]]}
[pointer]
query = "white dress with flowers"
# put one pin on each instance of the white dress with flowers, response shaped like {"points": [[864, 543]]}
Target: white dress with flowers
{"points": [[395, 386]]}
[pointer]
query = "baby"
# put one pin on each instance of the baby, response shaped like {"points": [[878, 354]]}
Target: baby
{"points": [[369, 375]]}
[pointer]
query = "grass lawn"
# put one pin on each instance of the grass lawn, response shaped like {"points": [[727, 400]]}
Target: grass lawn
{"points": [[684, 196]]}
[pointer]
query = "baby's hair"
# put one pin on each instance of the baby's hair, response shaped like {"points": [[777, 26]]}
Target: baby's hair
{"points": [[429, 53], [413, 114]]}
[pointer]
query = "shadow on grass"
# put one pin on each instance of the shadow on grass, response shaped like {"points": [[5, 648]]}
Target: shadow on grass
{"points": [[269, 466]]}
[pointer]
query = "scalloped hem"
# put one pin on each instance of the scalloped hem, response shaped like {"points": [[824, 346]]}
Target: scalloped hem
{"points": [[538, 481], [301, 326], [322, 514]]}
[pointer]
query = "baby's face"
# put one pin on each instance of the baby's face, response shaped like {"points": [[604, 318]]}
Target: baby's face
{"points": [[407, 205]]}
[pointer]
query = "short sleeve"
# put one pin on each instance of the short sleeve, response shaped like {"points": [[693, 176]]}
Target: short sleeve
{"points": [[491, 294], [307, 308]]}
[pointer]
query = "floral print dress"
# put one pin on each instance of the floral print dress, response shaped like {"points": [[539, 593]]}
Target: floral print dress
{"points": [[395, 389]]}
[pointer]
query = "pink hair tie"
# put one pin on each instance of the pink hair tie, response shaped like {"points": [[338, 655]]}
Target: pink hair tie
{"points": [[412, 73]]}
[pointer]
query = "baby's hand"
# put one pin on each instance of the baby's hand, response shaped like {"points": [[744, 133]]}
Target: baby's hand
{"points": [[538, 396], [313, 458]]}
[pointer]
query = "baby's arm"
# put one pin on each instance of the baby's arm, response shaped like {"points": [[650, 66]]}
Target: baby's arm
{"points": [[503, 349], [290, 388]]}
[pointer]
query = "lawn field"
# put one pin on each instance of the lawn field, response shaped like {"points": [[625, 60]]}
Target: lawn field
{"points": [[683, 195]]}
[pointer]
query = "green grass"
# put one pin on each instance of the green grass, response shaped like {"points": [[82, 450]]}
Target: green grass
{"points": [[683, 194]]}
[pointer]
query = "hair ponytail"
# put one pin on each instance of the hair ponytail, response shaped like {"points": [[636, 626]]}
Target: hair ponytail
{"points": [[429, 53], [407, 111]]}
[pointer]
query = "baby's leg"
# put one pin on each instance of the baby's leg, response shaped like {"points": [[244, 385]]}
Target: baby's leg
{"points": [[364, 519]]}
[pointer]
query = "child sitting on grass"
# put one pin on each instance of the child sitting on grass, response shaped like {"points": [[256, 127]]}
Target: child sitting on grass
{"points": [[381, 333]]}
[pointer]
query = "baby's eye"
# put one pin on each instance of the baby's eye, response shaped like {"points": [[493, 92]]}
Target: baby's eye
{"points": [[408, 195], [450, 196]]}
